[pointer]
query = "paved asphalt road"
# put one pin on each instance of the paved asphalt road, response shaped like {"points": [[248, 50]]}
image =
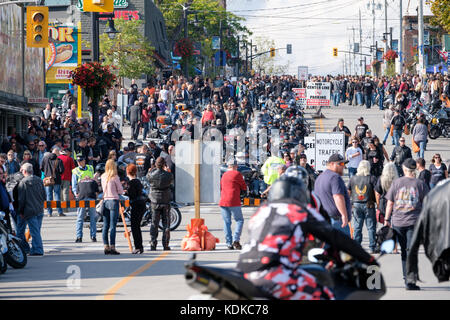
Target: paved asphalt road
{"points": [[159, 275]]}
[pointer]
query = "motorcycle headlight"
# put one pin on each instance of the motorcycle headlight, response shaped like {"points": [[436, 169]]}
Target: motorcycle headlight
{"points": [[434, 120]]}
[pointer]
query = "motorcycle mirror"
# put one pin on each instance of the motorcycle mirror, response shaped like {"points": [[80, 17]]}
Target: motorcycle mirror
{"points": [[313, 253], [387, 246]]}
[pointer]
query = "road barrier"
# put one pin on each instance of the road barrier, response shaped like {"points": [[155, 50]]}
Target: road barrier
{"points": [[252, 202], [78, 204]]}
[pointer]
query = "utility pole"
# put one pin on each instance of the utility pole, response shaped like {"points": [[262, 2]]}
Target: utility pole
{"points": [[238, 56], [400, 39], [251, 55], [95, 42], [185, 20], [385, 26], [421, 29], [220, 48], [246, 59], [360, 41], [373, 27]]}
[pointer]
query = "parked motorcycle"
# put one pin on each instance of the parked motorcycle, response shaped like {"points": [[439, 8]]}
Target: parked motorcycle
{"points": [[440, 124], [348, 278], [11, 250]]}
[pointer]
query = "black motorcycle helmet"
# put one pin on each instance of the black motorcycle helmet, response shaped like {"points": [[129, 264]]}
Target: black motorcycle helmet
{"points": [[100, 167], [291, 185]]}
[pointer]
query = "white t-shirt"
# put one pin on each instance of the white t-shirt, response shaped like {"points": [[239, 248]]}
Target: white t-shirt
{"points": [[353, 162], [164, 94]]}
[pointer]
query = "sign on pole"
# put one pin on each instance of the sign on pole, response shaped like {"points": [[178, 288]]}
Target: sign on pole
{"points": [[300, 96], [302, 73], [328, 143], [318, 94], [215, 43], [310, 150]]}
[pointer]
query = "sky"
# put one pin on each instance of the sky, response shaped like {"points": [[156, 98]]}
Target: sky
{"points": [[315, 27]]}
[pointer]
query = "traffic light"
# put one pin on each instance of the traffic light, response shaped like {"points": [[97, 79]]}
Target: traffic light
{"points": [[37, 27], [98, 5], [335, 52], [272, 52], [289, 49]]}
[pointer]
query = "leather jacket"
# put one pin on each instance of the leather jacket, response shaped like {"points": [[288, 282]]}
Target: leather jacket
{"points": [[433, 231], [160, 182], [400, 154]]}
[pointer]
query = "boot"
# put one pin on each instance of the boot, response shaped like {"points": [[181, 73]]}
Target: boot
{"points": [[153, 245]]}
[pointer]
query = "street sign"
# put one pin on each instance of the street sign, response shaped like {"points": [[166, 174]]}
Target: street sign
{"points": [[326, 144], [356, 47], [215, 43], [98, 5], [310, 150], [289, 49], [318, 94], [38, 100], [302, 73]]}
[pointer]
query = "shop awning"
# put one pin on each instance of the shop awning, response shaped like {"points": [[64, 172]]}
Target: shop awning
{"points": [[16, 110], [160, 60]]}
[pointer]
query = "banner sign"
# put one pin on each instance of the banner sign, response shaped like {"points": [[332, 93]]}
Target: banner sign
{"points": [[318, 94], [326, 144], [310, 150], [302, 73], [122, 14], [395, 45], [215, 43], [61, 57], [118, 4], [300, 96]]}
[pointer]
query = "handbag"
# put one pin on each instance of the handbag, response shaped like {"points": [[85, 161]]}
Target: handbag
{"points": [[406, 130], [415, 146], [391, 133], [50, 181]]}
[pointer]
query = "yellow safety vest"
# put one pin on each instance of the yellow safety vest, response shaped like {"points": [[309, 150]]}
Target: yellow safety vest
{"points": [[270, 169], [81, 174]]}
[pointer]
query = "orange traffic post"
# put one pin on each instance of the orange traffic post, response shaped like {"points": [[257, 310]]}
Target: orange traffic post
{"points": [[126, 232]]}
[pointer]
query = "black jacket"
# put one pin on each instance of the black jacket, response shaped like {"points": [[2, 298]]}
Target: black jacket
{"points": [[433, 231], [52, 166], [31, 197], [160, 182], [400, 154]]}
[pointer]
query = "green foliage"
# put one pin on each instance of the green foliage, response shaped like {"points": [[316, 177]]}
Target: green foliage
{"points": [[390, 69], [264, 63], [441, 11], [130, 51], [209, 16]]}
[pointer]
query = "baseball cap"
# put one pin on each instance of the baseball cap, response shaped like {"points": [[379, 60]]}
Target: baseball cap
{"points": [[81, 158], [360, 118], [341, 119], [303, 156], [410, 164], [337, 158]]}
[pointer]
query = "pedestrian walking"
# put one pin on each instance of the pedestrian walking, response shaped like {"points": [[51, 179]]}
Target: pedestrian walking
{"points": [[332, 192], [419, 135], [361, 128], [384, 182], [354, 156], [160, 196], [31, 197], [424, 173], [84, 187], [340, 127], [231, 185], [400, 154], [53, 168], [375, 157], [387, 118], [66, 177], [438, 170], [134, 114], [361, 189], [112, 189], [368, 89], [398, 124], [138, 206], [405, 198]]}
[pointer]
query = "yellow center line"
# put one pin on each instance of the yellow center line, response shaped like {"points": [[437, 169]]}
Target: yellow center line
{"points": [[109, 295]]}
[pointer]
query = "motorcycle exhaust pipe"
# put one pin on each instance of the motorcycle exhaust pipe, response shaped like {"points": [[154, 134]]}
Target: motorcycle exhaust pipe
{"points": [[206, 285]]}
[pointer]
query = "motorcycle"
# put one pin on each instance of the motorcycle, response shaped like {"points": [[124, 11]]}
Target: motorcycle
{"points": [[348, 278], [440, 124], [12, 251]]}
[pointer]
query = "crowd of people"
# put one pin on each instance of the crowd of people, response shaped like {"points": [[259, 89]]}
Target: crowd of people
{"points": [[62, 154]]}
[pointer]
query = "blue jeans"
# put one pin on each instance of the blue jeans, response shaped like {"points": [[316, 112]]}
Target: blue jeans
{"points": [[343, 97], [236, 212], [359, 98], [80, 219], [368, 100], [404, 236], [110, 215], [380, 102], [258, 186], [336, 98], [386, 136], [337, 224], [421, 153], [146, 126], [360, 214], [35, 224], [352, 172], [50, 190], [397, 134]]}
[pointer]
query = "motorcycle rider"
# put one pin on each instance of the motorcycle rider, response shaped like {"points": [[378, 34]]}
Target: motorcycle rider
{"points": [[279, 232]]}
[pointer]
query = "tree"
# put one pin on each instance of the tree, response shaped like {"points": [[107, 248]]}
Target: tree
{"points": [[204, 21], [441, 11], [264, 63], [130, 52]]}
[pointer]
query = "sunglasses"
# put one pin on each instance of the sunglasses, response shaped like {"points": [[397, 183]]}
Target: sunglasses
{"points": [[402, 140], [341, 163], [437, 157]]}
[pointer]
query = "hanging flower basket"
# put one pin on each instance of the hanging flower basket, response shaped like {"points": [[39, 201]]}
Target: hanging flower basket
{"points": [[184, 48], [390, 56], [94, 78]]}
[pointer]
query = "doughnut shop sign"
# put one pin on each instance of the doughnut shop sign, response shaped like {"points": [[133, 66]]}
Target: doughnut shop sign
{"points": [[61, 55]]}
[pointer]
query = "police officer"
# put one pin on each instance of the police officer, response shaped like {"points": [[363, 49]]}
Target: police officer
{"points": [[84, 187]]}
